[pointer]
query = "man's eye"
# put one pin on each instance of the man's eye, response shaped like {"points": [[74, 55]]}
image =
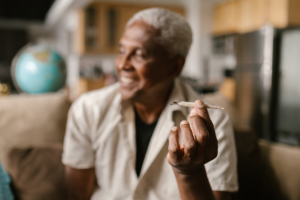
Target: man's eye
{"points": [[140, 54], [121, 50], [139, 57]]}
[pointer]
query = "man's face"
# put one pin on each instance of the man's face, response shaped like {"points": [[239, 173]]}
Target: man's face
{"points": [[143, 66]]}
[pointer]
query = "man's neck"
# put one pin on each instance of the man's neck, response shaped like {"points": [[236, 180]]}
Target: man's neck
{"points": [[150, 109]]}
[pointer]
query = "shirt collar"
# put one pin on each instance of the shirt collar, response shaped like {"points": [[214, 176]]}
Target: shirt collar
{"points": [[177, 94]]}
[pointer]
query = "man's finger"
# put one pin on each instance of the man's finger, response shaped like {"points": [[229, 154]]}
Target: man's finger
{"points": [[203, 113], [174, 146], [199, 129], [189, 143]]}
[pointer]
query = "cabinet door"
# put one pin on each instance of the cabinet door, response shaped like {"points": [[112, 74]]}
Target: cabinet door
{"points": [[294, 13], [259, 13], [98, 29], [252, 14], [229, 17], [225, 18], [92, 17], [79, 43], [86, 35], [284, 13], [217, 28], [110, 28], [244, 15], [278, 13]]}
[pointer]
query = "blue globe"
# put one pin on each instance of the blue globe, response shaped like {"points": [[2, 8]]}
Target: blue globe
{"points": [[38, 69]]}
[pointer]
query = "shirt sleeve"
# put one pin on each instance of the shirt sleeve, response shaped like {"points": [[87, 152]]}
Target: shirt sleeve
{"points": [[222, 171], [77, 151]]}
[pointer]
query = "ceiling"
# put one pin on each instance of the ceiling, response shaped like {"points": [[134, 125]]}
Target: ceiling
{"points": [[25, 10]]}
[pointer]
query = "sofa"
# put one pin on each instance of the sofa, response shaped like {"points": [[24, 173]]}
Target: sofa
{"points": [[31, 138]]}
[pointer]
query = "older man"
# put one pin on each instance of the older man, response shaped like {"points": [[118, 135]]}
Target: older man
{"points": [[116, 143]]}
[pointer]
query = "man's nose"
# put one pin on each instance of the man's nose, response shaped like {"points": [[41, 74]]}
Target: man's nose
{"points": [[124, 62]]}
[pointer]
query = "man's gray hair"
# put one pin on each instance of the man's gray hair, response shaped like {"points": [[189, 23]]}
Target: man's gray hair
{"points": [[175, 32]]}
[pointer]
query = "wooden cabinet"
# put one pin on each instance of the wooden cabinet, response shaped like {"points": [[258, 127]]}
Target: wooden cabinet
{"points": [[294, 13], [251, 15], [225, 18], [278, 12], [284, 13], [240, 16], [101, 25], [98, 29]]}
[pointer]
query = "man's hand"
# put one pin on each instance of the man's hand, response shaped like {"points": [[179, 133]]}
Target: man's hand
{"points": [[199, 142], [199, 146]]}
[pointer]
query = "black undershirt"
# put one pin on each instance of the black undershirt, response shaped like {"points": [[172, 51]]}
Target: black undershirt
{"points": [[143, 135]]}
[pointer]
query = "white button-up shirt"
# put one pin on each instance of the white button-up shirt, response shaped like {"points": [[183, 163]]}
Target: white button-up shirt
{"points": [[101, 134]]}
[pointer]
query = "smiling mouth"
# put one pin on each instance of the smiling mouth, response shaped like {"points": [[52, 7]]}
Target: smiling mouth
{"points": [[126, 80]]}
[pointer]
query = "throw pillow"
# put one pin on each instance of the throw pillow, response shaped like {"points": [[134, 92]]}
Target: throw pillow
{"points": [[37, 173]]}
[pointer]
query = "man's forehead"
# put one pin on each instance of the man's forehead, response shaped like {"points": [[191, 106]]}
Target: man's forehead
{"points": [[139, 32]]}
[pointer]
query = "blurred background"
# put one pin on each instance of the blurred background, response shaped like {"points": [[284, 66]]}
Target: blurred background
{"points": [[248, 50], [245, 56]]}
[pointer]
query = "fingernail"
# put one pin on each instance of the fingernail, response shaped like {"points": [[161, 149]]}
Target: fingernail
{"points": [[199, 104], [193, 112], [184, 122], [174, 128]]}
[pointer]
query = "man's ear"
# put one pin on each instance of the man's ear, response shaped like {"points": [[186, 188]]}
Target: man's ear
{"points": [[178, 63]]}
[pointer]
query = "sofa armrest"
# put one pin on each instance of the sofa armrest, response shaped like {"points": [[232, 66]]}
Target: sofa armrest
{"points": [[284, 164]]}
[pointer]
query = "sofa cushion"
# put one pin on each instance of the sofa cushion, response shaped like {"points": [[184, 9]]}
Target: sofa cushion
{"points": [[37, 173], [28, 120]]}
